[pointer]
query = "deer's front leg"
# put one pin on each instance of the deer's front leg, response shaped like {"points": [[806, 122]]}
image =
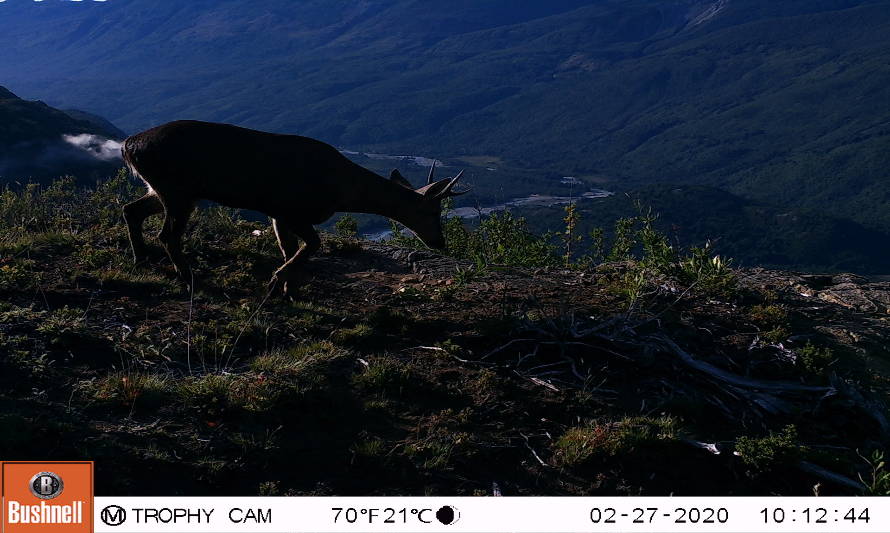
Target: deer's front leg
{"points": [[288, 272]]}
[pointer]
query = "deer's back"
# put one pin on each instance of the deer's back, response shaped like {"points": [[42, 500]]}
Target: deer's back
{"points": [[239, 167]]}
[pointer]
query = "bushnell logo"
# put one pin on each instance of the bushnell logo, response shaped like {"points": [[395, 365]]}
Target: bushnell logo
{"points": [[47, 497], [46, 485]]}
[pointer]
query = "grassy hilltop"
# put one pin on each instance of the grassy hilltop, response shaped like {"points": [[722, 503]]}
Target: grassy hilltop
{"points": [[639, 370]]}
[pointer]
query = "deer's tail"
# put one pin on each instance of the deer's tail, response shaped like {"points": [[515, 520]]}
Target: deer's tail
{"points": [[127, 148]]}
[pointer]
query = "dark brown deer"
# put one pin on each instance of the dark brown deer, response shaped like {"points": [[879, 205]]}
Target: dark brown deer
{"points": [[297, 181]]}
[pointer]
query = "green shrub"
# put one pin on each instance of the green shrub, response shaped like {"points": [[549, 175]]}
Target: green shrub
{"points": [[597, 246], [401, 238], [878, 482], [765, 454], [107, 199], [773, 320], [501, 239], [17, 276], [345, 238], [624, 241], [768, 315], [813, 360], [776, 335], [63, 207], [570, 238], [463, 276], [346, 227], [710, 274], [637, 239]]}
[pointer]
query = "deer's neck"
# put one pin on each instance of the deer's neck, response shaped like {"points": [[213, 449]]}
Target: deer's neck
{"points": [[373, 194]]}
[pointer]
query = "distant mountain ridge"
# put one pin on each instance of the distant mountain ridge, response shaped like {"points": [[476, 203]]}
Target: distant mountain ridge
{"points": [[33, 145], [784, 102], [101, 124]]}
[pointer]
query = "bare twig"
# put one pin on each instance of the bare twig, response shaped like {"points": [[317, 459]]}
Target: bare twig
{"points": [[534, 453], [504, 347], [249, 320], [89, 304], [188, 325]]}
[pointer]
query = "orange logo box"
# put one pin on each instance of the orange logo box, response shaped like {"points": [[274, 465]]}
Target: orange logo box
{"points": [[50, 497]]}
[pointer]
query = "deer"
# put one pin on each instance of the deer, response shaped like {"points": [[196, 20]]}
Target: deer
{"points": [[297, 181]]}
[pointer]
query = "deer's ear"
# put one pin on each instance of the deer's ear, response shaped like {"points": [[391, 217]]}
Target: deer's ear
{"points": [[396, 176], [435, 189]]}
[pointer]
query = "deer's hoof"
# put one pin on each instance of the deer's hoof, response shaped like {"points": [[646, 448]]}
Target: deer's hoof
{"points": [[289, 284], [281, 283], [290, 289]]}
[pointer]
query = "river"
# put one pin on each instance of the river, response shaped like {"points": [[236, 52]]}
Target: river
{"points": [[534, 200]]}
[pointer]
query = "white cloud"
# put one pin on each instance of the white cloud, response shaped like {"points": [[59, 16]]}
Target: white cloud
{"points": [[97, 146]]}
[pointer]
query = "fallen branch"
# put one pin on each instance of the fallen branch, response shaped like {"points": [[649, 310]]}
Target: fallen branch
{"points": [[828, 475], [735, 380], [541, 382]]}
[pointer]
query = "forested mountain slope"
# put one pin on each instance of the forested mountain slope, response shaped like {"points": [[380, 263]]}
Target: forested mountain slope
{"points": [[38, 142]]}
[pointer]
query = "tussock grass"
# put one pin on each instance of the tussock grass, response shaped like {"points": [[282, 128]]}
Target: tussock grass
{"points": [[579, 445], [127, 388]]}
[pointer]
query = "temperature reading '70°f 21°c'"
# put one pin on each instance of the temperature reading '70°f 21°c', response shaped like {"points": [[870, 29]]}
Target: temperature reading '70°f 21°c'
{"points": [[446, 515]]}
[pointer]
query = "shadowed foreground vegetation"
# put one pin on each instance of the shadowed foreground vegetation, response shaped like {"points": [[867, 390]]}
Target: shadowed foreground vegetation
{"points": [[520, 365]]}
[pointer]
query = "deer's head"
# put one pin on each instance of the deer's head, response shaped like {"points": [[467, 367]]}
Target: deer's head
{"points": [[424, 218]]}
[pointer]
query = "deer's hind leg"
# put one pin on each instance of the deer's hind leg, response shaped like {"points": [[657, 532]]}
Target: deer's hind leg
{"points": [[176, 217], [288, 242], [135, 214], [288, 272]]}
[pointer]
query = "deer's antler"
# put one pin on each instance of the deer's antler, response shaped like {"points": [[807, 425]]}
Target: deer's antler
{"points": [[453, 182], [443, 188], [429, 178]]}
